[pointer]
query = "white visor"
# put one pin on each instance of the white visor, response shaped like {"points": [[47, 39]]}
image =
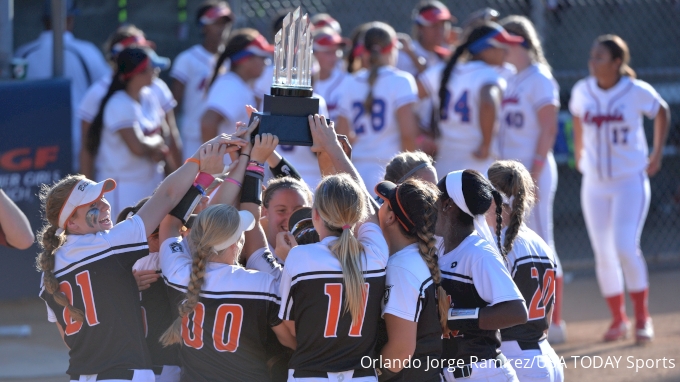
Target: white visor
{"points": [[84, 193], [246, 223]]}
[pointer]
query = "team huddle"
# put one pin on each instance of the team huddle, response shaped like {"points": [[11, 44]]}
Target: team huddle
{"points": [[418, 226]]}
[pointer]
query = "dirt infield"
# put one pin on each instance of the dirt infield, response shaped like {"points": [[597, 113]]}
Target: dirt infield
{"points": [[42, 357]]}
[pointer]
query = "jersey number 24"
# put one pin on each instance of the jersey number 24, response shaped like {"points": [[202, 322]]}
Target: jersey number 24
{"points": [[194, 337], [461, 107]]}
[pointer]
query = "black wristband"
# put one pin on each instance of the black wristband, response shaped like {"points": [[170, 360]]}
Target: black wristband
{"points": [[186, 206], [385, 374], [284, 168], [463, 319], [251, 191]]}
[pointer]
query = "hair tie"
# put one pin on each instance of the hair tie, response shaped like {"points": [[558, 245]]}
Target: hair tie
{"points": [[346, 226]]}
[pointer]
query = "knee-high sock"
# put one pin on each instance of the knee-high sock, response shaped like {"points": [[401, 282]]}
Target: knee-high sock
{"points": [[617, 306], [640, 303]]}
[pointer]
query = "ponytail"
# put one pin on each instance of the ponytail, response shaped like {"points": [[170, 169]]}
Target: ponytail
{"points": [[374, 62], [626, 70], [446, 76], [94, 134], [498, 199], [238, 41], [378, 40], [348, 251]]}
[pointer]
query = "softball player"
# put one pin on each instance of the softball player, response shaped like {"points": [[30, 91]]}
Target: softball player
{"points": [[531, 263], [87, 279], [193, 67], [475, 278], [377, 106], [228, 94], [126, 135], [406, 165], [611, 152], [469, 99], [124, 37], [329, 80], [415, 306], [280, 199], [530, 106]]}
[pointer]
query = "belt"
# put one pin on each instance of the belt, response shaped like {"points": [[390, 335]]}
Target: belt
{"points": [[157, 370], [367, 372], [465, 371], [125, 374], [529, 345]]}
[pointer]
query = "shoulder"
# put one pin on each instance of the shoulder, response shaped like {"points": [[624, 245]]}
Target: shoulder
{"points": [[408, 261], [581, 86], [642, 86], [27, 48]]}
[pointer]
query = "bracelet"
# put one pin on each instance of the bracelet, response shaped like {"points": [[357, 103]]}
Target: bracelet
{"points": [[204, 179], [245, 155], [232, 180], [198, 162], [255, 169], [256, 163]]}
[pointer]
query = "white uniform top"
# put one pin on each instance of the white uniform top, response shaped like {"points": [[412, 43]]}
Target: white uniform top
{"points": [[405, 63], [407, 279], [527, 247], [614, 143], [378, 137], [459, 126], [263, 84], [229, 96], [194, 69], [83, 65], [114, 159], [89, 106], [330, 90], [527, 92]]}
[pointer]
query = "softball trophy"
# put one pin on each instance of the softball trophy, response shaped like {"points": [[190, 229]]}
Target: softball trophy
{"points": [[285, 111]]}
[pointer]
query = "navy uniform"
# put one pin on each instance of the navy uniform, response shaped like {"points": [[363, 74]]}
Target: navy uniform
{"points": [[329, 347]]}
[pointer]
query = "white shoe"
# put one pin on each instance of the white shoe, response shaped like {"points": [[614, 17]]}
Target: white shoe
{"points": [[645, 335], [557, 333]]}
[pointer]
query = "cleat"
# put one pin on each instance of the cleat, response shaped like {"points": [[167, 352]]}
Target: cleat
{"points": [[644, 335], [557, 333], [617, 331]]}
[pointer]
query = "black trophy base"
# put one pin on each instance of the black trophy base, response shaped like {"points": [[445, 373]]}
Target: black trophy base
{"points": [[287, 118]]}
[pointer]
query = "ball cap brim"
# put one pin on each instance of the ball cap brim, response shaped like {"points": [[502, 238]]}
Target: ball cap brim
{"points": [[389, 192], [298, 216], [85, 192], [246, 223]]}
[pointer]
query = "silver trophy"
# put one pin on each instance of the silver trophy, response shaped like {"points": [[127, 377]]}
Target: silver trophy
{"points": [[285, 111]]}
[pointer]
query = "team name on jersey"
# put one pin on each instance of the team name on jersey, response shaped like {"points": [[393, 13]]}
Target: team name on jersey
{"points": [[599, 119]]}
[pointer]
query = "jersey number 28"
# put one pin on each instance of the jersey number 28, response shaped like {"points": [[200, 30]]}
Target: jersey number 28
{"points": [[334, 293], [377, 116], [194, 337]]}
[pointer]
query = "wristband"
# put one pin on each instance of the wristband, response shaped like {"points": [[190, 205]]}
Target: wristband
{"points": [[384, 374], [463, 319], [198, 162], [255, 169], [204, 179], [232, 180], [186, 206], [251, 191], [284, 168], [255, 163]]}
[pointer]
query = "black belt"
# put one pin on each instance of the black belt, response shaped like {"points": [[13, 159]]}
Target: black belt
{"points": [[125, 374], [367, 372], [529, 345], [157, 370], [465, 371]]}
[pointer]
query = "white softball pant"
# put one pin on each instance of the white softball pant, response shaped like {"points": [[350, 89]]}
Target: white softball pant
{"points": [[139, 376], [485, 373], [615, 212], [332, 377], [536, 364]]}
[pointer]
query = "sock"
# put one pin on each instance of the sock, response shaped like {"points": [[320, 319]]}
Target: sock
{"points": [[617, 306], [640, 303], [557, 308]]}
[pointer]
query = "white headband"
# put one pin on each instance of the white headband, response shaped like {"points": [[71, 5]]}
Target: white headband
{"points": [[454, 187]]}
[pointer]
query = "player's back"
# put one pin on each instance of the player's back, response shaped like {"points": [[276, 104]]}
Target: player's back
{"points": [[95, 273], [312, 291], [225, 335], [532, 266]]}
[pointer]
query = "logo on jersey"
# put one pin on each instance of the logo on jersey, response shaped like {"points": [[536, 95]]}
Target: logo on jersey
{"points": [[514, 100], [387, 293], [176, 248], [454, 264], [598, 119], [269, 259]]}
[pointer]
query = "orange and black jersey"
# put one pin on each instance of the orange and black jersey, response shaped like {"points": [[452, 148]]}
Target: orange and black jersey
{"points": [[474, 276], [312, 295], [410, 294], [95, 273], [532, 266], [224, 337]]}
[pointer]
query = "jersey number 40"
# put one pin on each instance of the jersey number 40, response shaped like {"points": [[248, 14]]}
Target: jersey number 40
{"points": [[334, 293], [194, 337]]}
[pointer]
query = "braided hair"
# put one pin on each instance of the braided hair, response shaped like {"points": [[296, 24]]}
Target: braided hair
{"points": [[238, 41]]}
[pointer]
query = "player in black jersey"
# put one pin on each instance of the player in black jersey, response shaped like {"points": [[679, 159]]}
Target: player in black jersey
{"points": [[483, 296], [531, 263], [87, 267], [415, 306], [331, 290]]}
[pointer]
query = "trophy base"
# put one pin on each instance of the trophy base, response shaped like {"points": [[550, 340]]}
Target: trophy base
{"points": [[287, 118], [285, 91]]}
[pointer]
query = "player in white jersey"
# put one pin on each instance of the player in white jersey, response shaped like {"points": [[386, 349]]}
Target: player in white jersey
{"points": [[411, 164], [483, 296], [531, 262], [376, 108], [193, 67], [126, 135], [229, 93], [328, 81], [529, 120], [87, 266], [124, 37], [469, 98], [612, 154]]}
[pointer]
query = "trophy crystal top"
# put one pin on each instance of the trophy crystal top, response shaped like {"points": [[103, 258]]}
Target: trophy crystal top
{"points": [[293, 57]]}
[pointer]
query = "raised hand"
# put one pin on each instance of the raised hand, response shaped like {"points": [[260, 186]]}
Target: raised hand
{"points": [[263, 147]]}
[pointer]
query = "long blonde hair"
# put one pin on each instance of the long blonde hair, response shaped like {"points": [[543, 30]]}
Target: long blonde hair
{"points": [[211, 227], [52, 199], [340, 202]]}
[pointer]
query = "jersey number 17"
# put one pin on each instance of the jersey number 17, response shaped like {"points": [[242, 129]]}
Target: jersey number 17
{"points": [[334, 293]]}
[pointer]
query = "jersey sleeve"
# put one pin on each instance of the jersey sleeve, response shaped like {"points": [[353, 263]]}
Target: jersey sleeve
{"points": [[345, 102], [129, 231], [492, 279], [175, 262], [286, 309], [51, 317], [181, 68], [323, 106], [544, 91], [404, 90], [371, 237], [577, 99], [402, 293], [163, 94], [120, 113], [273, 307], [262, 260], [648, 100], [223, 100]]}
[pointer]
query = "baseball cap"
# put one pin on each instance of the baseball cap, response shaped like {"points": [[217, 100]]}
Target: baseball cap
{"points": [[134, 40], [246, 223], [259, 47], [496, 37], [71, 8], [431, 13], [480, 15], [85, 192], [389, 192], [215, 12], [327, 39], [162, 63], [324, 20]]}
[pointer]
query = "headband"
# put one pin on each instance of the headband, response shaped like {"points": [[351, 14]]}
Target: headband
{"points": [[413, 171], [454, 187]]}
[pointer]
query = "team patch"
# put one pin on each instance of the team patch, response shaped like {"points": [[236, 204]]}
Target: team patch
{"points": [[454, 264], [387, 293], [176, 248]]}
